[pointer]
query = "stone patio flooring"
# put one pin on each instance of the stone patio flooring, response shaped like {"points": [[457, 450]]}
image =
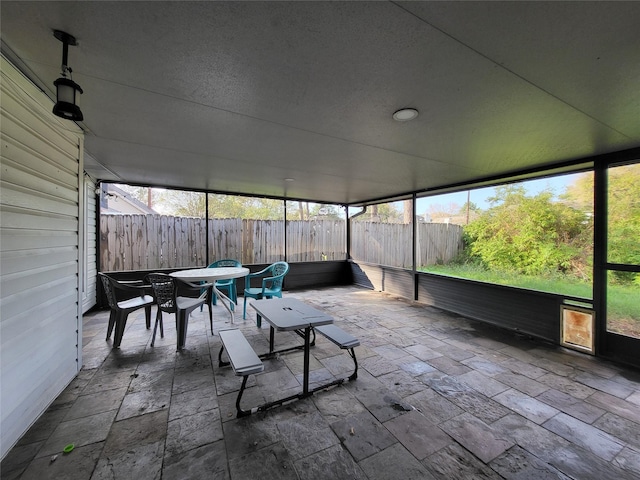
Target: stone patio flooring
{"points": [[437, 396]]}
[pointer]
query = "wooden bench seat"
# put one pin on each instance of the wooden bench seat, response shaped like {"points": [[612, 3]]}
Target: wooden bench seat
{"points": [[242, 358], [342, 339]]}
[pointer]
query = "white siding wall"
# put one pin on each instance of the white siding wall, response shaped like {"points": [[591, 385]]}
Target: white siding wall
{"points": [[89, 256], [40, 163]]}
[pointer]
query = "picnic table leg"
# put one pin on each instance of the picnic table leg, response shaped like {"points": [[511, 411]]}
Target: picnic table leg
{"points": [[271, 338], [305, 381]]}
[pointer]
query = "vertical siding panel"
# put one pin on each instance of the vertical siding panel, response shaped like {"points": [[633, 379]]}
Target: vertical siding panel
{"points": [[40, 218], [90, 274]]}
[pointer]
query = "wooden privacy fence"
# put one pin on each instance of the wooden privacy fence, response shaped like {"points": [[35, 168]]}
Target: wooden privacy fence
{"points": [[390, 243], [147, 242]]}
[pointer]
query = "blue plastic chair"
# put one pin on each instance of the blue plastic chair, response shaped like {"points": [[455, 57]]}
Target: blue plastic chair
{"points": [[228, 286], [272, 278]]}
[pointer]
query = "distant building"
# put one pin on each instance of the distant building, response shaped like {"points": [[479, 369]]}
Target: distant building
{"points": [[115, 200], [459, 219]]}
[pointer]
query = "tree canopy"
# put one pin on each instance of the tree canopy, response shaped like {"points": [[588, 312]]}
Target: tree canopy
{"points": [[527, 234], [623, 214], [193, 204]]}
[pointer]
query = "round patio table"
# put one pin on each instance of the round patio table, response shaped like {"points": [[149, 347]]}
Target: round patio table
{"points": [[210, 275]]}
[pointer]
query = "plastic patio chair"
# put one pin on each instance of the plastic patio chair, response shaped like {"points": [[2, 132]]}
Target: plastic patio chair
{"points": [[228, 285], [119, 298], [166, 291], [272, 278]]}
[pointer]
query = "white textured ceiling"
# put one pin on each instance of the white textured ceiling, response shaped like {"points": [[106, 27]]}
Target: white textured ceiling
{"points": [[238, 96]]}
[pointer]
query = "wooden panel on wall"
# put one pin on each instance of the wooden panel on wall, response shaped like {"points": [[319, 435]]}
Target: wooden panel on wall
{"points": [[302, 275], [39, 253], [506, 307], [533, 313], [396, 281]]}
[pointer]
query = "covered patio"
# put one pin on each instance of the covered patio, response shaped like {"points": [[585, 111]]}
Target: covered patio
{"points": [[346, 104], [437, 396]]}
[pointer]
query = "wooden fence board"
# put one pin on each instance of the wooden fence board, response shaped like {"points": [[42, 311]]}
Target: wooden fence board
{"points": [[139, 242]]}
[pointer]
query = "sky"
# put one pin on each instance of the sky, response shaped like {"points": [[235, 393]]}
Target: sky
{"points": [[557, 184], [479, 196]]}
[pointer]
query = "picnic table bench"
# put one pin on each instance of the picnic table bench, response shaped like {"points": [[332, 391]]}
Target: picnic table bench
{"points": [[284, 315], [243, 359], [342, 339]]}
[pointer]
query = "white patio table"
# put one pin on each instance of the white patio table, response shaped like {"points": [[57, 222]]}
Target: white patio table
{"points": [[210, 275]]}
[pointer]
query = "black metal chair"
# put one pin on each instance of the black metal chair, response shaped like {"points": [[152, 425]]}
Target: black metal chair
{"points": [[121, 307], [166, 291]]}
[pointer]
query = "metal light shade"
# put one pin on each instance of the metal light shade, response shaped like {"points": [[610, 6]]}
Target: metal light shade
{"points": [[66, 105], [66, 101]]}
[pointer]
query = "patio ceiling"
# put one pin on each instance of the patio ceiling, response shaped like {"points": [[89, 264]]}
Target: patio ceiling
{"points": [[239, 96]]}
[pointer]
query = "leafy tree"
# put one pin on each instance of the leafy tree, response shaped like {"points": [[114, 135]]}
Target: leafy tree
{"points": [[187, 204], [580, 193], [527, 234], [309, 210], [234, 206], [437, 210], [623, 226], [468, 207], [383, 213], [623, 245], [327, 212]]}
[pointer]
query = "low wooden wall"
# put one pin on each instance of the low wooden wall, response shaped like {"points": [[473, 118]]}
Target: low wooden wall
{"points": [[302, 275]]}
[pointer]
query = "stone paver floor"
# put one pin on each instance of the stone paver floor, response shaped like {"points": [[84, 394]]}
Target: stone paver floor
{"points": [[437, 396]]}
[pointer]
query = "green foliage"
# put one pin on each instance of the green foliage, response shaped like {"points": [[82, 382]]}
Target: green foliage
{"points": [[552, 283], [311, 211], [468, 206], [531, 235], [623, 224], [186, 204], [383, 213]]}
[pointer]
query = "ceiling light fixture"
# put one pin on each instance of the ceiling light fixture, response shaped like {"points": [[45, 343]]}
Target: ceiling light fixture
{"points": [[66, 101], [405, 114]]}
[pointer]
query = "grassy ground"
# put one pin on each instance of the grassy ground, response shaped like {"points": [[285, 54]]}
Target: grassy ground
{"points": [[623, 304]]}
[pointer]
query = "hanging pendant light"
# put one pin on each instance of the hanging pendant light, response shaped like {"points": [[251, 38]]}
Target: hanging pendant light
{"points": [[66, 89]]}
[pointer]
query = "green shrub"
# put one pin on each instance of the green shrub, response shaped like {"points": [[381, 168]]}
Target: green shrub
{"points": [[527, 235]]}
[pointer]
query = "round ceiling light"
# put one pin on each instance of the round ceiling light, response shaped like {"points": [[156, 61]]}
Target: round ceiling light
{"points": [[405, 114]]}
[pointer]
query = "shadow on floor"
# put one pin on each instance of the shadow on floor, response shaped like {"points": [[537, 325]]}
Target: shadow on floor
{"points": [[437, 396]]}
